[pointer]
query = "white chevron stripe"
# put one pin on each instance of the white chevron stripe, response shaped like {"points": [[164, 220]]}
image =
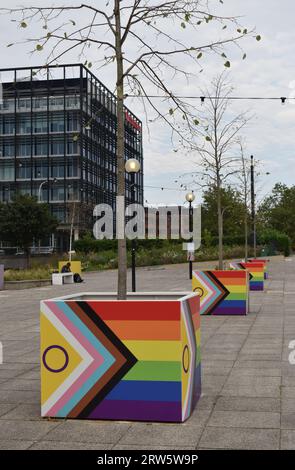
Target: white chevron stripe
{"points": [[87, 359]]}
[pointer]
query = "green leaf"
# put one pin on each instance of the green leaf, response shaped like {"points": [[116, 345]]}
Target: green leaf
{"points": [[244, 56], [196, 122], [39, 47], [239, 30], [171, 111], [89, 65], [183, 25], [73, 22], [200, 55], [224, 55], [227, 64], [23, 24], [258, 37], [187, 17], [245, 31], [208, 138]]}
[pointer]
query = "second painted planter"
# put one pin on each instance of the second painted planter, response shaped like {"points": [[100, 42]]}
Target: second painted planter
{"points": [[222, 292]]}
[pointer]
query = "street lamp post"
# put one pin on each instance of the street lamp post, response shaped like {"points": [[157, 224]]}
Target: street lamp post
{"points": [[253, 215], [41, 186], [132, 166], [190, 197]]}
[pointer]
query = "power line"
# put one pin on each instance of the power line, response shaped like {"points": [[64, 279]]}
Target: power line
{"points": [[283, 99], [162, 188]]}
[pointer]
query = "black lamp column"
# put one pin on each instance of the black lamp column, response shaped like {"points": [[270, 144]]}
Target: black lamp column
{"points": [[133, 241], [190, 197], [132, 166], [253, 215]]}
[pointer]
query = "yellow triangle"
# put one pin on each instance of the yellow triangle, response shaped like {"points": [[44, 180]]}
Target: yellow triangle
{"points": [[200, 288], [55, 359]]}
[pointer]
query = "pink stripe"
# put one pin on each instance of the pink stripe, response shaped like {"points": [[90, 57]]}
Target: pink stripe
{"points": [[204, 304], [98, 359]]}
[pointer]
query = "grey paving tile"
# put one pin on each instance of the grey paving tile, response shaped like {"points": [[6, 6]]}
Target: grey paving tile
{"points": [[248, 404], [66, 445], [245, 419], [19, 396], [29, 430], [288, 392], [99, 432], [287, 440], [5, 408], [162, 435], [288, 420], [23, 412], [20, 384], [15, 445], [251, 439]]}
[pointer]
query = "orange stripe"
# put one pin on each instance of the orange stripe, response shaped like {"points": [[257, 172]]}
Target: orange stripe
{"points": [[233, 282], [146, 330]]}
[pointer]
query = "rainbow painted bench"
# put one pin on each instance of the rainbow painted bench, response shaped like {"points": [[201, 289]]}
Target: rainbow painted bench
{"points": [[256, 271], [222, 292], [135, 359]]}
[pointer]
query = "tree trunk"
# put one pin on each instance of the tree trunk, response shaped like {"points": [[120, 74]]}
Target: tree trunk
{"points": [[28, 257], [122, 253], [220, 229]]}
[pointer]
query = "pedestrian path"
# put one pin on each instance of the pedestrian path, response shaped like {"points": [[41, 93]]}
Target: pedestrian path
{"points": [[248, 399]]}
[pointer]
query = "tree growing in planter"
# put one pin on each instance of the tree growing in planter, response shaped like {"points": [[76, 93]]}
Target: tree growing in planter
{"points": [[23, 221], [214, 141], [144, 40]]}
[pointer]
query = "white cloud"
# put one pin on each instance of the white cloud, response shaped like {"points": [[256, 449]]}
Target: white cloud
{"points": [[267, 71]]}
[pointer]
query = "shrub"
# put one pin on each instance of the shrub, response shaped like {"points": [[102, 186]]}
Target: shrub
{"points": [[277, 240]]}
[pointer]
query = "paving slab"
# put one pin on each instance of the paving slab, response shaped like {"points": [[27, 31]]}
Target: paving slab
{"points": [[248, 396]]}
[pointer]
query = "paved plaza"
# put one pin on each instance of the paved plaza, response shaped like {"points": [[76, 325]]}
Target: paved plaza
{"points": [[248, 384]]}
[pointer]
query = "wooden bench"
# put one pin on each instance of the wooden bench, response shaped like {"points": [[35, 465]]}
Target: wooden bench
{"points": [[58, 279]]}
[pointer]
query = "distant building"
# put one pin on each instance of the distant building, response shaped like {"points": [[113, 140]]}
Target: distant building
{"points": [[58, 142]]}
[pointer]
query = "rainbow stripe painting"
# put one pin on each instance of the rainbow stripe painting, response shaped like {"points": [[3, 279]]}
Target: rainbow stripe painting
{"points": [[222, 292], [256, 271], [120, 360], [265, 262]]}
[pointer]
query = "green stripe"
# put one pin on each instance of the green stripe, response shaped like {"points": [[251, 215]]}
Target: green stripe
{"points": [[237, 296], [155, 370]]}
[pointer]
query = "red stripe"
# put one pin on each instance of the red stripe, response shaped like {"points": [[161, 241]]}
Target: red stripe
{"points": [[230, 274], [136, 310]]}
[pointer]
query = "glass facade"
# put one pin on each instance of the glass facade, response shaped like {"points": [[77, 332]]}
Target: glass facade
{"points": [[62, 132]]}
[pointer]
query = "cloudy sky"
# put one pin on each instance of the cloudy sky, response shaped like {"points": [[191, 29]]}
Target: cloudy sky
{"points": [[268, 71]]}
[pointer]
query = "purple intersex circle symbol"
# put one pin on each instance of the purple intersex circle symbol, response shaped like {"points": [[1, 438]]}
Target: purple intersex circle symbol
{"points": [[55, 346], [185, 359]]}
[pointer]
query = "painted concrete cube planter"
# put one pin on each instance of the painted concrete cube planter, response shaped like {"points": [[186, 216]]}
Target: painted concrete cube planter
{"points": [[265, 262], [135, 359], [256, 271], [222, 292]]}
